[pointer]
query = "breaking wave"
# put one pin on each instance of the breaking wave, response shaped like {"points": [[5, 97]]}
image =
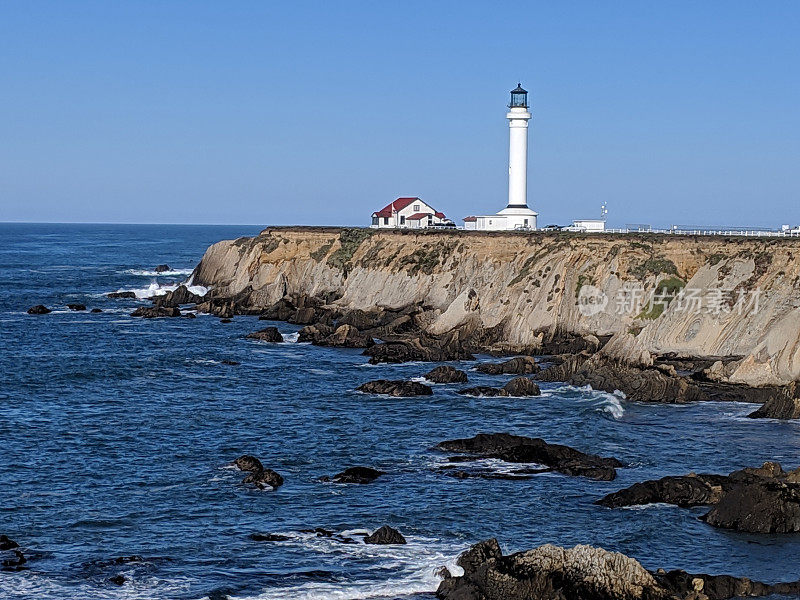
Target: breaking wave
{"points": [[155, 289], [150, 273]]}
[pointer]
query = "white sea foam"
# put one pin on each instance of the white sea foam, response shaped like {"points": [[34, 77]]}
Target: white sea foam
{"points": [[399, 570], [291, 338], [155, 289], [150, 273]]}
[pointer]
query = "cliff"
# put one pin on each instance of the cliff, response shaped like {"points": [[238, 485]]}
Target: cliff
{"points": [[714, 296]]}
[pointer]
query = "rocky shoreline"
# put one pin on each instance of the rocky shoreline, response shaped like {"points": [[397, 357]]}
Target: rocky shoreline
{"points": [[456, 319]]}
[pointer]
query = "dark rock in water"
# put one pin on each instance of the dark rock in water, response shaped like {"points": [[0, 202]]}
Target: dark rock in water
{"points": [[771, 506], [762, 500], [247, 462], [97, 310], [229, 362], [385, 535], [226, 320], [162, 269], [263, 478], [316, 334], [189, 315], [219, 307], [446, 374], [130, 295], [395, 388], [361, 475], [638, 384], [269, 334], [522, 387], [783, 405], [521, 365], [178, 296], [117, 579], [519, 387], [39, 309], [719, 587], [423, 348], [564, 368], [685, 491], [76, 307], [520, 449], [259, 476], [153, 312], [7, 544], [584, 573], [269, 537]]}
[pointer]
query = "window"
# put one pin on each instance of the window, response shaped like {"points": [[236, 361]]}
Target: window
{"points": [[375, 221], [526, 222], [385, 220], [490, 221], [402, 220], [416, 208]]}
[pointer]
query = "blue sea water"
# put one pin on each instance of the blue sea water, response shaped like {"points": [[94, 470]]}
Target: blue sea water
{"points": [[116, 437]]}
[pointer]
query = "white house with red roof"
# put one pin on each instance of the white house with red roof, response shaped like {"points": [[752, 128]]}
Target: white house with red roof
{"points": [[410, 213]]}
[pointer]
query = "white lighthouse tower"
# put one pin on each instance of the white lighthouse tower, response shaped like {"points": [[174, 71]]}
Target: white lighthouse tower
{"points": [[517, 214]]}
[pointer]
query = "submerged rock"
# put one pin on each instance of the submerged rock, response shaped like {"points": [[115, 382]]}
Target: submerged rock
{"points": [[269, 334], [584, 573], [385, 535], [97, 310], [39, 309], [360, 475], [130, 295], [76, 307], [269, 537], [446, 374], [153, 312], [521, 365], [762, 500], [14, 561], [162, 269], [117, 579], [521, 449], [396, 388], [229, 362]]}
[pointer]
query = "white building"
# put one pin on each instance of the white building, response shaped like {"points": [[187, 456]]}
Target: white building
{"points": [[411, 213], [588, 225], [517, 215]]}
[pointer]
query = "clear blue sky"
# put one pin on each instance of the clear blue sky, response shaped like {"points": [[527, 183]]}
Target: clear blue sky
{"points": [[320, 113]]}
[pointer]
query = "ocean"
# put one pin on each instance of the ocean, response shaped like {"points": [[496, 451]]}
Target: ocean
{"points": [[118, 433]]}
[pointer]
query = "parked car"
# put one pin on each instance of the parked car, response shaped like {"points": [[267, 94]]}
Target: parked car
{"points": [[552, 228]]}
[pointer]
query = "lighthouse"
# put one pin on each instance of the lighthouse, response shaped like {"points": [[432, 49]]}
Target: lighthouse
{"points": [[518, 117], [516, 215]]}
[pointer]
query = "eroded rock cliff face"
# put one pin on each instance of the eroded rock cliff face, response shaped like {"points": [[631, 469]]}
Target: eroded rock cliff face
{"points": [[713, 297]]}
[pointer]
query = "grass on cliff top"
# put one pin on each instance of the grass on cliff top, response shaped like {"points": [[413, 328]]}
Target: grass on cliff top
{"points": [[349, 241], [654, 266]]}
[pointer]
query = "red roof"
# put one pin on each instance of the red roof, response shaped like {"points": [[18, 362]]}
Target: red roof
{"points": [[440, 215], [417, 216], [398, 204], [470, 219]]}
